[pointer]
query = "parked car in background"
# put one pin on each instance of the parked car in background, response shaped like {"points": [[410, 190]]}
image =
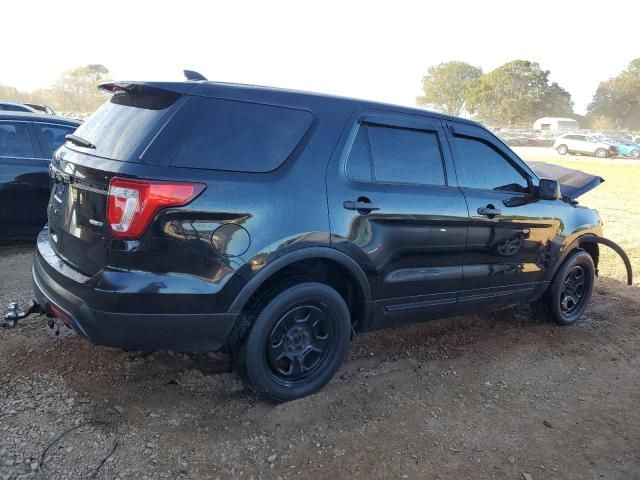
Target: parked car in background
{"points": [[614, 134], [41, 108], [27, 143], [16, 107], [573, 143], [160, 234], [626, 148]]}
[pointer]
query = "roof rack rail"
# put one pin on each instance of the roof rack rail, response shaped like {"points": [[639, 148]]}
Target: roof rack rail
{"points": [[193, 75]]}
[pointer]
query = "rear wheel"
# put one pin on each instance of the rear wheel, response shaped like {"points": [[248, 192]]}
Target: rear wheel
{"points": [[568, 295], [562, 149], [602, 153], [296, 344]]}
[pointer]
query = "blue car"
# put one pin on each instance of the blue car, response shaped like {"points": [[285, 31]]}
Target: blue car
{"points": [[626, 148]]}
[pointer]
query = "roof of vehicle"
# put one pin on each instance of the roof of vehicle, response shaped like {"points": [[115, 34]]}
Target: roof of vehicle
{"points": [[258, 92], [38, 117]]}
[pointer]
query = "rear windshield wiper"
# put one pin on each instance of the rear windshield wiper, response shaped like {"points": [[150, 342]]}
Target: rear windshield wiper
{"points": [[81, 142]]}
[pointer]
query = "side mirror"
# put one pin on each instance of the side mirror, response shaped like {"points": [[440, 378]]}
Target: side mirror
{"points": [[549, 189]]}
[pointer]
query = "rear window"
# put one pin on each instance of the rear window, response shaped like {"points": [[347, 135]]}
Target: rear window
{"points": [[122, 127], [242, 136]]}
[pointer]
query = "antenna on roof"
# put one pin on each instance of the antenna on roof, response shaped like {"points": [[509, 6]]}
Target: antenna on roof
{"points": [[193, 75]]}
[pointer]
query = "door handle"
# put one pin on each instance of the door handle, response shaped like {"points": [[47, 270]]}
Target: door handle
{"points": [[360, 206], [489, 211]]}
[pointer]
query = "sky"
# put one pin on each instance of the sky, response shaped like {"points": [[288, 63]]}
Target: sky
{"points": [[366, 49]]}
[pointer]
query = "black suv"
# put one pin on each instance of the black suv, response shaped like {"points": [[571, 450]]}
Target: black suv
{"points": [[273, 224]]}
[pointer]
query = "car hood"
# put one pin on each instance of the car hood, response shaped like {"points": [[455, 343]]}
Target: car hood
{"points": [[573, 183]]}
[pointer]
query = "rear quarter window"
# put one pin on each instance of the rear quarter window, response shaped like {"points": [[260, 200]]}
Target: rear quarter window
{"points": [[244, 137]]}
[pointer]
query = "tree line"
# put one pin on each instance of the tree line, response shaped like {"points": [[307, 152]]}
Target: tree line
{"points": [[74, 91], [519, 92]]}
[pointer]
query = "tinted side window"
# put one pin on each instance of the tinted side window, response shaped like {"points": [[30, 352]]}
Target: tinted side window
{"points": [[51, 137], [241, 136], [359, 161], [15, 140], [402, 155], [14, 108], [479, 165]]}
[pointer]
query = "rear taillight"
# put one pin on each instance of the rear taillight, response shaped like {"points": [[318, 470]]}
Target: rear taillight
{"points": [[132, 204]]}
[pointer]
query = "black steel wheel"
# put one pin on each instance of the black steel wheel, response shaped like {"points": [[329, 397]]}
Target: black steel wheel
{"points": [[573, 289], [297, 342], [301, 342], [568, 294]]}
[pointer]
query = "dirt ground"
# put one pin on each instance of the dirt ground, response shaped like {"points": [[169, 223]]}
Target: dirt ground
{"points": [[487, 396]]}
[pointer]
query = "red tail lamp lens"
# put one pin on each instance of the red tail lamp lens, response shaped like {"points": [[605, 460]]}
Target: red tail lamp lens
{"points": [[133, 204]]}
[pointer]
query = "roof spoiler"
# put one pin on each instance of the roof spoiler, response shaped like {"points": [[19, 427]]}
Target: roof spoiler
{"points": [[139, 87]]}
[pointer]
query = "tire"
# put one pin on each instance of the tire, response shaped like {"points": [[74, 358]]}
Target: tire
{"points": [[635, 154], [296, 344], [565, 300], [562, 149], [602, 153]]}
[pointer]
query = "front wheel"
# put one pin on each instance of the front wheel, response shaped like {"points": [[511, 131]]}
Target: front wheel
{"points": [[568, 295], [562, 149], [602, 153], [296, 344], [635, 154]]}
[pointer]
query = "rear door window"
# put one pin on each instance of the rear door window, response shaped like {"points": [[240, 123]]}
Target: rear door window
{"points": [[51, 136], [243, 137], [390, 154], [15, 140], [402, 155]]}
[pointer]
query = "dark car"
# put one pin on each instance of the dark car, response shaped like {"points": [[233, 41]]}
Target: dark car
{"points": [[16, 107], [274, 224], [27, 143]]}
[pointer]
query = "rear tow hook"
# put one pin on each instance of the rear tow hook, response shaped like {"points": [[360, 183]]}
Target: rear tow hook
{"points": [[14, 314]]}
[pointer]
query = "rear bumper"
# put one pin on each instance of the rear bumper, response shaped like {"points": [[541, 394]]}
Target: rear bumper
{"points": [[63, 294]]}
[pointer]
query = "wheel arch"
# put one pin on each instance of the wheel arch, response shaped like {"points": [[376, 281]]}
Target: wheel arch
{"points": [[318, 262], [590, 243]]}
